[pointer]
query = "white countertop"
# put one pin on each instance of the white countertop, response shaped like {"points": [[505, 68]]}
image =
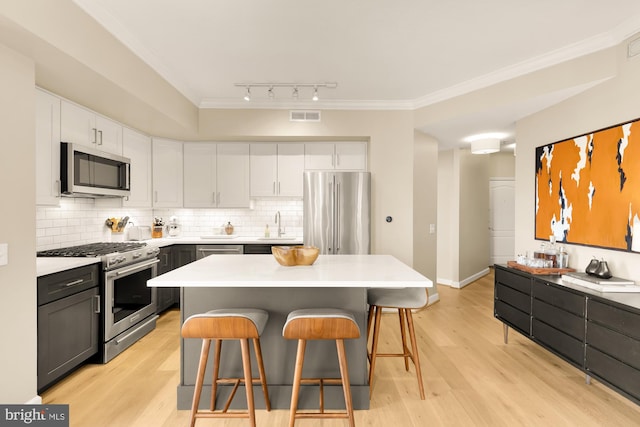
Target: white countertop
{"points": [[224, 240], [382, 271], [50, 265]]}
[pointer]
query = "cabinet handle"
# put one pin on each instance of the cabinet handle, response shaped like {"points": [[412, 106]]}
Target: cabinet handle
{"points": [[95, 135], [75, 282], [96, 300], [100, 133]]}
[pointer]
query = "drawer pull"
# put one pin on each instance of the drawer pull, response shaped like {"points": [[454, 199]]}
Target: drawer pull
{"points": [[75, 282]]}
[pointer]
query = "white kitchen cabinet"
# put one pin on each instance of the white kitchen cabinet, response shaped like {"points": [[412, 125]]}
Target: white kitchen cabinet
{"points": [[82, 126], [167, 173], [216, 175], [277, 169], [233, 175], [200, 187], [335, 156], [47, 148], [137, 147]]}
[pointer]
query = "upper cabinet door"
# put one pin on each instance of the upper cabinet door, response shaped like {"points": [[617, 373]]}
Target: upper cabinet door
{"points": [[290, 169], [85, 127], [200, 175], [319, 156], [137, 147], [47, 149], [336, 156], [233, 175], [351, 156], [167, 173], [109, 135], [264, 169], [78, 125]]}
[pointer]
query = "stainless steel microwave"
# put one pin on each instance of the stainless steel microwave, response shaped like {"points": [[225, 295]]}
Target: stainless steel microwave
{"points": [[86, 172]]}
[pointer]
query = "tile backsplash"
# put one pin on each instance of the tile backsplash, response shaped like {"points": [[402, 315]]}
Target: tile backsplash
{"points": [[78, 221]]}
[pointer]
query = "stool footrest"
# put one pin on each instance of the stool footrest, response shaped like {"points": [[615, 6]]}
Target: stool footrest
{"points": [[322, 415], [218, 414]]}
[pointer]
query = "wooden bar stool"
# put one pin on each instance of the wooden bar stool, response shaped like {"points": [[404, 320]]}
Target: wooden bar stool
{"points": [[321, 324], [404, 300], [239, 324]]}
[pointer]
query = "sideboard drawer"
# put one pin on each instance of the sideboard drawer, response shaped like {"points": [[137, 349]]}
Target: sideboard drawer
{"points": [[616, 373], [513, 280], [558, 342], [558, 297], [562, 320], [513, 317], [514, 298], [623, 321]]}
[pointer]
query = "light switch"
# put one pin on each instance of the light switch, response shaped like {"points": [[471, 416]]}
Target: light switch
{"points": [[4, 253], [432, 228]]}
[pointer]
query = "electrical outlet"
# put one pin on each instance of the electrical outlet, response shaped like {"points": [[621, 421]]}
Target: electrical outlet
{"points": [[4, 253], [432, 228]]}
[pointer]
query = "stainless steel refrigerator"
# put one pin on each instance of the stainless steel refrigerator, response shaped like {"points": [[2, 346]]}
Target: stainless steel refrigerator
{"points": [[337, 212]]}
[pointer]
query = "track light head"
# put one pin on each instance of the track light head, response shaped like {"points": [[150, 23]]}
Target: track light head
{"points": [[295, 92], [315, 94], [247, 96], [271, 94]]}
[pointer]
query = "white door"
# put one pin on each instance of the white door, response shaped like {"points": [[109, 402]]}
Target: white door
{"points": [[502, 220]]}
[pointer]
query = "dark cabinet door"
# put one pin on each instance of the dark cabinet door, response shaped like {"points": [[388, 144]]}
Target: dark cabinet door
{"points": [[166, 260], [258, 249], [68, 331], [183, 255], [166, 296]]}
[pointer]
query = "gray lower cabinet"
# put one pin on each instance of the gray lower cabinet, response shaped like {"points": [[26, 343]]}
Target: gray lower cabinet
{"points": [[599, 336], [68, 322], [183, 255], [166, 296]]}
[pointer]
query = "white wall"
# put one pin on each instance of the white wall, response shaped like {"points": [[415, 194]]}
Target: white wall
{"points": [[17, 219], [610, 103]]}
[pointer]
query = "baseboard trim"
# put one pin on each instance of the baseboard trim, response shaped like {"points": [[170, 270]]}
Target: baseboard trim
{"points": [[461, 284]]}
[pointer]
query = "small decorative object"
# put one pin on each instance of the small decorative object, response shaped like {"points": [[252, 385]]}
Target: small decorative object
{"points": [[228, 228], [285, 255], [592, 267], [603, 270], [173, 227], [266, 231], [156, 230], [295, 255], [306, 255]]}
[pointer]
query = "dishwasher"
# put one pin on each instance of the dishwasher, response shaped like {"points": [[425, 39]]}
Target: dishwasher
{"points": [[206, 250]]}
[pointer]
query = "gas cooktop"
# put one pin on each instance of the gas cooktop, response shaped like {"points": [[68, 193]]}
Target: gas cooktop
{"points": [[92, 249]]}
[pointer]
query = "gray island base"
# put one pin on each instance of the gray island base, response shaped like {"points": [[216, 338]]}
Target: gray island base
{"points": [[258, 281], [279, 354]]}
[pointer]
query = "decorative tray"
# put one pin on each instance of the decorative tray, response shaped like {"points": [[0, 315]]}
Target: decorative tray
{"points": [[540, 270]]}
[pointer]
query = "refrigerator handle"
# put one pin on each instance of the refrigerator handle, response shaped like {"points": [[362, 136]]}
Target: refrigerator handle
{"points": [[337, 220]]}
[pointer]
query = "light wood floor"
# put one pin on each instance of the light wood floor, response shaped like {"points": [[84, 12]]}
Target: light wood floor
{"points": [[471, 379]]}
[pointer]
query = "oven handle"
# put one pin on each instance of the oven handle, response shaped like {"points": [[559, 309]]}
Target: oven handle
{"points": [[123, 338], [133, 268]]}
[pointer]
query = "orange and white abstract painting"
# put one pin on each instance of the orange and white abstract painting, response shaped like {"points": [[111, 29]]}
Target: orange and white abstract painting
{"points": [[588, 189]]}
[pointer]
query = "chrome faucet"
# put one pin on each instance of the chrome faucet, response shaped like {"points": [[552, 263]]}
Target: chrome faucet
{"points": [[280, 232]]}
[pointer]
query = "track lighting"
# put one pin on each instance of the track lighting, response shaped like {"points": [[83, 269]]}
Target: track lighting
{"points": [[296, 92]]}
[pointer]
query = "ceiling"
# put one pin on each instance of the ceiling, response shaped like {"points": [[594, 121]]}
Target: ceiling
{"points": [[382, 54]]}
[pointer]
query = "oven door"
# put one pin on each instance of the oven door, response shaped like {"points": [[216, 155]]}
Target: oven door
{"points": [[128, 299]]}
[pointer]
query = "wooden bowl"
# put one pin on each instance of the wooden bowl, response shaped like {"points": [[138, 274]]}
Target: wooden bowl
{"points": [[285, 255], [306, 255]]}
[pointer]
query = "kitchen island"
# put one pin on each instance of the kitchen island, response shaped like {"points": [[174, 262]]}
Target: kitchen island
{"points": [[234, 281]]}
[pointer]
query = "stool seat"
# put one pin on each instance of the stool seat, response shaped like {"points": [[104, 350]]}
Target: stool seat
{"points": [[242, 324], [398, 297], [404, 300], [321, 324]]}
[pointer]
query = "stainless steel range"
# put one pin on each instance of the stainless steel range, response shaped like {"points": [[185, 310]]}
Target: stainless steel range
{"points": [[128, 306]]}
